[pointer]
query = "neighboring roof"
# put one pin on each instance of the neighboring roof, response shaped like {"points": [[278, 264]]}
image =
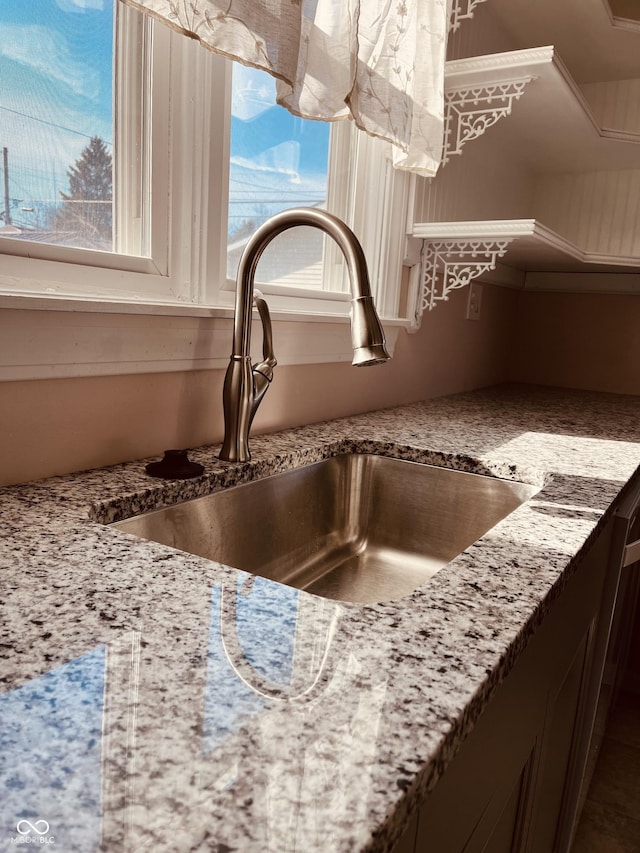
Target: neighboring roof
{"points": [[74, 239], [294, 257]]}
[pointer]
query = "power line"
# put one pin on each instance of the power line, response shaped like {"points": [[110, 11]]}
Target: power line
{"points": [[50, 123], [298, 199]]}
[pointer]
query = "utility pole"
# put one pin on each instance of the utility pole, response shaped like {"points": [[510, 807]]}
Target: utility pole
{"points": [[5, 166]]}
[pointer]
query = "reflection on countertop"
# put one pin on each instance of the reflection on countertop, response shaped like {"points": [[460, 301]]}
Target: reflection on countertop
{"points": [[133, 742], [153, 699]]}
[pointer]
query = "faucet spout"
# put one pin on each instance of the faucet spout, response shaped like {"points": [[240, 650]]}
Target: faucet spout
{"points": [[245, 385]]}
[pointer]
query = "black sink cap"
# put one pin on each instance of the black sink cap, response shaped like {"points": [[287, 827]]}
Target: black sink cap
{"points": [[175, 465]]}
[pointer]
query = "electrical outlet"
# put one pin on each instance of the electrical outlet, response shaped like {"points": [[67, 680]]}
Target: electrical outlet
{"points": [[473, 303]]}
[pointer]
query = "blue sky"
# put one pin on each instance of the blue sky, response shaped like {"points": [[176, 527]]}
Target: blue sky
{"points": [[56, 93], [276, 158], [55, 88]]}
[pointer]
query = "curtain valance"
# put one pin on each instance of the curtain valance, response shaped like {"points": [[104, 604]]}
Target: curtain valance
{"points": [[379, 62]]}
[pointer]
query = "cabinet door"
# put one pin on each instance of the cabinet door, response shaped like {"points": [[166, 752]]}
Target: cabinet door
{"points": [[560, 734], [407, 843], [568, 651], [506, 835], [506, 791], [501, 829], [480, 803]]}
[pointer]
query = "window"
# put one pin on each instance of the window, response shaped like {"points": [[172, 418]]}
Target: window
{"points": [[57, 124], [179, 208], [277, 161], [71, 128], [77, 160]]}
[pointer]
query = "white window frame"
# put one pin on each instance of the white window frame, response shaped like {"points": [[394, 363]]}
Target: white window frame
{"points": [[172, 310]]}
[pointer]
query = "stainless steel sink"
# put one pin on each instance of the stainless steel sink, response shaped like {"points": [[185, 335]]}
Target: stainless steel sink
{"points": [[355, 527]]}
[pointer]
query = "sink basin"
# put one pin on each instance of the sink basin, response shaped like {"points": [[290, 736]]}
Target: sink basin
{"points": [[354, 527]]}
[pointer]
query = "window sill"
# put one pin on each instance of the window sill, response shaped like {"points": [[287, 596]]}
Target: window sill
{"points": [[48, 338]]}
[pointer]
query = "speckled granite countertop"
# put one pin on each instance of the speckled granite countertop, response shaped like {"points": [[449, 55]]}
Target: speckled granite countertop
{"points": [[129, 718]]}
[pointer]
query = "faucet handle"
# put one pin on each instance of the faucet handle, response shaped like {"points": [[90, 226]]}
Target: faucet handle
{"points": [[262, 372], [269, 361]]}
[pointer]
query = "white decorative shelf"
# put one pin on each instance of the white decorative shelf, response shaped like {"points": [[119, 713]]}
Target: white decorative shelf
{"points": [[552, 124], [552, 132], [454, 253], [450, 264], [462, 10], [469, 112], [596, 43], [567, 152]]}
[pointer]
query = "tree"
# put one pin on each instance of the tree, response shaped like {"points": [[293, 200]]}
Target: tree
{"points": [[87, 207]]}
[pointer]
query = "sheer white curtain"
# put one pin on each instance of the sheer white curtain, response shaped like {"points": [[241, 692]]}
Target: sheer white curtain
{"points": [[379, 62]]}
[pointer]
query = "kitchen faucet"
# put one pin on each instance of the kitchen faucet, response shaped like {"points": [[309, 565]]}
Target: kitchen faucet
{"points": [[245, 384]]}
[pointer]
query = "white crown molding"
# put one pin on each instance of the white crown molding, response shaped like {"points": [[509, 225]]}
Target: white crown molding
{"points": [[490, 229], [497, 67], [531, 232]]}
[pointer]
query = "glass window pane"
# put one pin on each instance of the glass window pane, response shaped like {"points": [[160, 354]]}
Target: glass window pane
{"points": [[277, 161], [56, 121]]}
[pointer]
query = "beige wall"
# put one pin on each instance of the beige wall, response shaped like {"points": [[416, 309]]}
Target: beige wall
{"points": [[589, 341], [572, 340], [57, 426]]}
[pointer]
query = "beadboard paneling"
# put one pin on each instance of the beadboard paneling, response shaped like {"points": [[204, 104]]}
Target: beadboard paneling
{"points": [[486, 182], [478, 35], [615, 104], [598, 211]]}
